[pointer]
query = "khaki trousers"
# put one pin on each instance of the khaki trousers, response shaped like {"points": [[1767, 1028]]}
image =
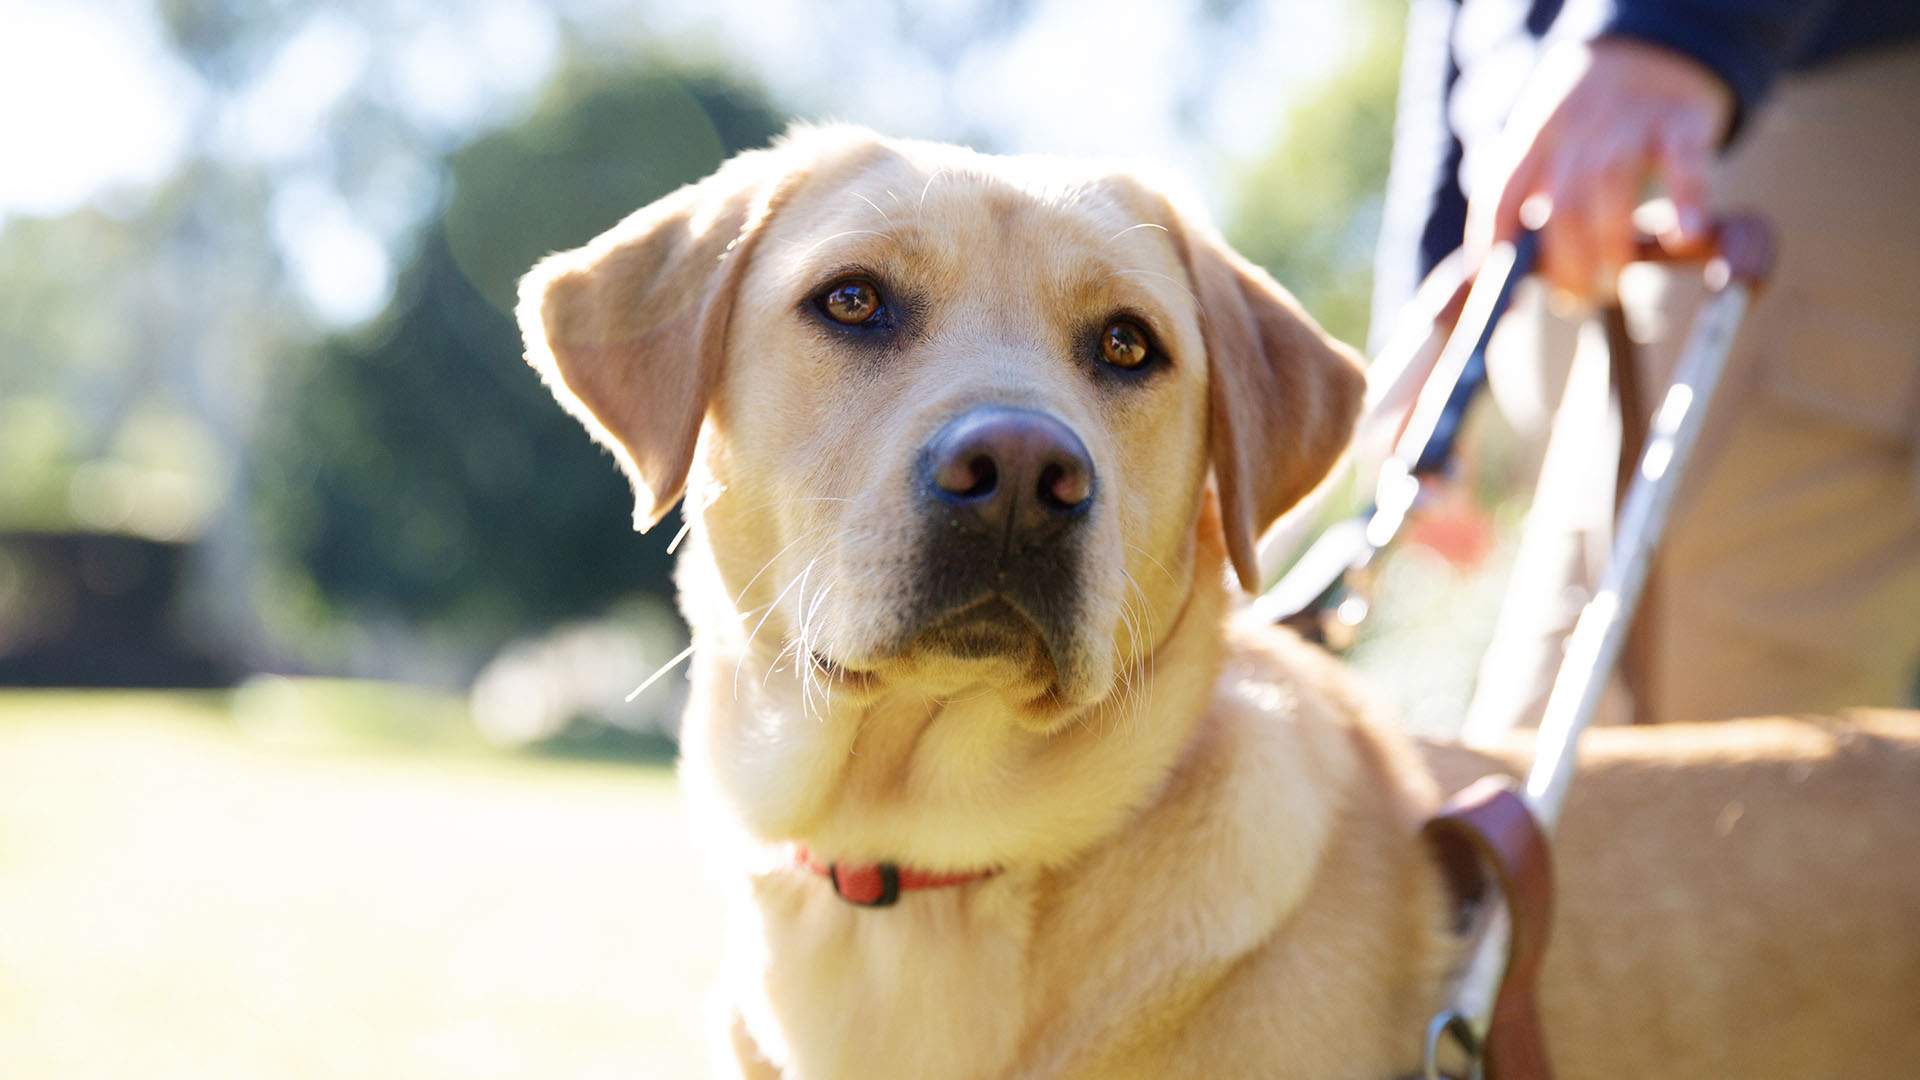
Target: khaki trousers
{"points": [[1789, 578]]}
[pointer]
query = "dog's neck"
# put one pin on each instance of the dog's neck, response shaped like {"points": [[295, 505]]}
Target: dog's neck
{"points": [[1115, 833], [893, 774]]}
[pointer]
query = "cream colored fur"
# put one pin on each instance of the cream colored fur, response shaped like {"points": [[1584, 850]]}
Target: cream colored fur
{"points": [[1208, 852]]}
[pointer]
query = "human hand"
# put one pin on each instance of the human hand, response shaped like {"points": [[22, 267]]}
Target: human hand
{"points": [[1598, 121]]}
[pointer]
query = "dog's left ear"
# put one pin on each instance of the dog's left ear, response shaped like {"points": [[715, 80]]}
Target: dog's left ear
{"points": [[628, 332], [1283, 395]]}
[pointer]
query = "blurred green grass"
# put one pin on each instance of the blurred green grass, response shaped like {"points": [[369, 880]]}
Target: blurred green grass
{"points": [[333, 880]]}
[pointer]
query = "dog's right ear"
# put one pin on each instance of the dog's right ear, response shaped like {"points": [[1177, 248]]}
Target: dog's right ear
{"points": [[629, 331]]}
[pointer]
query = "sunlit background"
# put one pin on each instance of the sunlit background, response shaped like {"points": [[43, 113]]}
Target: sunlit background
{"points": [[316, 615]]}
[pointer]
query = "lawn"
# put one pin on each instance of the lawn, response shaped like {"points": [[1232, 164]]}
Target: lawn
{"points": [[209, 886], [313, 879]]}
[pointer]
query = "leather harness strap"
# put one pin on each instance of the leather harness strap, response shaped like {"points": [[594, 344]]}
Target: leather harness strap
{"points": [[1489, 828]]}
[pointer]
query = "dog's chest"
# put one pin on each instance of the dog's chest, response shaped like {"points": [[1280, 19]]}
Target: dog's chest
{"points": [[931, 987]]}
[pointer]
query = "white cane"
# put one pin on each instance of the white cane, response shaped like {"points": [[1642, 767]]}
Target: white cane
{"points": [[1740, 262]]}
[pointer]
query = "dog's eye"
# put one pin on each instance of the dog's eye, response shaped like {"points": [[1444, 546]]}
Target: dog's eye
{"points": [[851, 302], [1125, 345]]}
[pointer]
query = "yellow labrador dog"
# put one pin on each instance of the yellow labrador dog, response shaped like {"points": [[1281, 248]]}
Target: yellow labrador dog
{"points": [[968, 444]]}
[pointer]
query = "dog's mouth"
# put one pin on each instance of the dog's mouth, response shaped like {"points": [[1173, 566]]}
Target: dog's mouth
{"points": [[990, 628], [837, 674], [996, 634]]}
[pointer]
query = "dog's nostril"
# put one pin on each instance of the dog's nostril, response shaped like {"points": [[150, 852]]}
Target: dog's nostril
{"points": [[984, 475], [968, 475], [1063, 487]]}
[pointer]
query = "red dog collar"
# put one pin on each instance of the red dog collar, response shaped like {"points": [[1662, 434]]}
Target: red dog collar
{"points": [[880, 884]]}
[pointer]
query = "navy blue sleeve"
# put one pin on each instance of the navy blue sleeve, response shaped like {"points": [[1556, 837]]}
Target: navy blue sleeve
{"points": [[1745, 42]]}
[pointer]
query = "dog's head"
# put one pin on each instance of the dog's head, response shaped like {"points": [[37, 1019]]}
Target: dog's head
{"points": [[945, 420]]}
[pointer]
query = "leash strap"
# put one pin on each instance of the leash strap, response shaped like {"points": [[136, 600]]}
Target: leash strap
{"points": [[1486, 836]]}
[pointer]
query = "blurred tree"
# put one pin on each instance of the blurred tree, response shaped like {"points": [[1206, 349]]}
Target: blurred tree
{"points": [[419, 472], [1310, 210], [151, 340]]}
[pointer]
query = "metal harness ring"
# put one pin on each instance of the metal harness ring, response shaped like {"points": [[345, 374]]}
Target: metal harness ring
{"points": [[1444, 1023]]}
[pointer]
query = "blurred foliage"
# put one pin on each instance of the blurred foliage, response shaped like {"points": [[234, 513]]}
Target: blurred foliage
{"points": [[119, 334], [222, 42], [419, 472], [1309, 211], [402, 498], [153, 478]]}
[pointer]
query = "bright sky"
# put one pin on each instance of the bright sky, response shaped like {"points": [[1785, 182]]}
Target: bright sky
{"points": [[97, 108], [92, 103], [1097, 77]]}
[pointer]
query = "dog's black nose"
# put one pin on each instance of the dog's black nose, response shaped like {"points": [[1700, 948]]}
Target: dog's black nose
{"points": [[1009, 472]]}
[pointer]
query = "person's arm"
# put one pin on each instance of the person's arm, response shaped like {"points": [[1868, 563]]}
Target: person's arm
{"points": [[1597, 120], [1745, 42], [1653, 97]]}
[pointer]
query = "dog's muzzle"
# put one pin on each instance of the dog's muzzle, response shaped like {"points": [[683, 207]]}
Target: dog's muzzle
{"points": [[1005, 494]]}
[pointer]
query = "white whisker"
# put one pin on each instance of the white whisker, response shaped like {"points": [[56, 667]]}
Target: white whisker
{"points": [[984, 691], [685, 528], [802, 655], [937, 173], [663, 669], [764, 567], [1138, 697], [779, 658], [1147, 555], [818, 244], [876, 207], [708, 497], [1151, 642], [746, 647], [1130, 228]]}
